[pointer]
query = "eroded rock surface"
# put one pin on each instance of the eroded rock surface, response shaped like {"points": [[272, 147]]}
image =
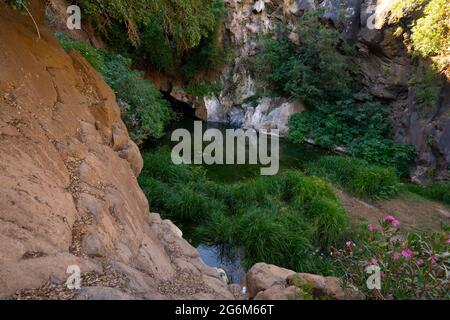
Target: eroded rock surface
{"points": [[68, 192]]}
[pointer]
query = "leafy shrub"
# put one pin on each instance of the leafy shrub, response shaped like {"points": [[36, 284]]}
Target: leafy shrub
{"points": [[177, 37], [185, 21], [430, 32], [414, 266], [210, 54], [314, 72], [144, 110], [340, 123], [281, 219], [439, 191], [203, 89], [319, 73], [384, 152], [356, 176]]}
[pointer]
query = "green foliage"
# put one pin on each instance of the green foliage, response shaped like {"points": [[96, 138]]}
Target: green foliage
{"points": [[94, 56], [17, 4], [144, 110], [204, 89], [431, 34], [280, 219], [314, 72], [356, 176], [439, 191], [431, 31], [384, 152], [179, 37], [319, 73], [413, 267], [340, 123], [210, 54], [185, 21]]}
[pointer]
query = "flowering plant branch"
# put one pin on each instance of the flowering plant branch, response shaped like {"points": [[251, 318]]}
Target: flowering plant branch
{"points": [[412, 266]]}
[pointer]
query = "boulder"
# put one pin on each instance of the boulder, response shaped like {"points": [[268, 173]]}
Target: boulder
{"points": [[324, 287], [262, 276], [269, 282]]}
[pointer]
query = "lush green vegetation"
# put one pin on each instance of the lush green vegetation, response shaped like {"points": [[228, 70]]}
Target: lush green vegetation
{"points": [[438, 191], [176, 37], [281, 219], [356, 176], [319, 72], [431, 31], [144, 110]]}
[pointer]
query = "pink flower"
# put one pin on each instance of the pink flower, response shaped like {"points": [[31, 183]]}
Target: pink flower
{"points": [[373, 261], [434, 258], [395, 256], [419, 262], [372, 228], [407, 253], [382, 274], [448, 241], [390, 218], [349, 244]]}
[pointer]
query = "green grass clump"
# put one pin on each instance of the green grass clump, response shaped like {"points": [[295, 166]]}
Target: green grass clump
{"points": [[356, 176], [438, 191], [280, 219]]}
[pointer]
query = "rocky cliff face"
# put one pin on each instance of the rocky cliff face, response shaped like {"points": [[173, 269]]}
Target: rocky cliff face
{"points": [[68, 193], [387, 72]]}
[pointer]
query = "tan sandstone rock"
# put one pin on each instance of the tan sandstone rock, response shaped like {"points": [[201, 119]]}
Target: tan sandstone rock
{"points": [[269, 282], [68, 191], [262, 276]]}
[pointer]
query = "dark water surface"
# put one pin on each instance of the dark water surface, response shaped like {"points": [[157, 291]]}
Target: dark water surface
{"points": [[290, 155]]}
